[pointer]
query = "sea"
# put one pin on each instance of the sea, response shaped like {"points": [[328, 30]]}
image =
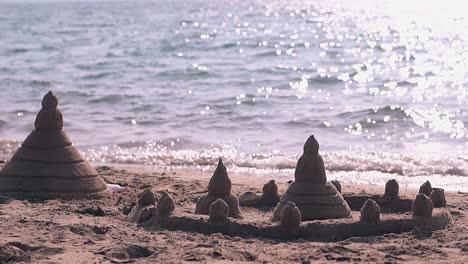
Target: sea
{"points": [[173, 84]]}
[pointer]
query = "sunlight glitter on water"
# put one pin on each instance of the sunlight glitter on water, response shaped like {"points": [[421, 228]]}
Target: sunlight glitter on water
{"points": [[260, 76]]}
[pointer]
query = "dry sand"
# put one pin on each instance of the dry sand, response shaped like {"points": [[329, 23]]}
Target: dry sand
{"points": [[96, 231]]}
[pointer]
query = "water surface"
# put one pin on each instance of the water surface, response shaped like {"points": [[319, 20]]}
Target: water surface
{"points": [[382, 84]]}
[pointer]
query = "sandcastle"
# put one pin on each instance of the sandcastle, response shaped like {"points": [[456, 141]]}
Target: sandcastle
{"points": [[47, 162], [315, 198], [310, 194], [219, 188], [269, 197], [291, 226]]}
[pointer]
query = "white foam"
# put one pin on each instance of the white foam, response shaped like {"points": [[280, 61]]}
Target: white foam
{"points": [[386, 162]]}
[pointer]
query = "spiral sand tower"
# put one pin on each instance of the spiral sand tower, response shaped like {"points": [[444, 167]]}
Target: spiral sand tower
{"points": [[313, 195], [47, 161]]}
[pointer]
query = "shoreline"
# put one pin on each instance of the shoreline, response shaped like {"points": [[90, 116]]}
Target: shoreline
{"points": [[252, 175]]}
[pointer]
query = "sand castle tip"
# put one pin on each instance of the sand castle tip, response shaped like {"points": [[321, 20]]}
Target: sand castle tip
{"points": [[220, 168], [311, 145], [50, 101]]}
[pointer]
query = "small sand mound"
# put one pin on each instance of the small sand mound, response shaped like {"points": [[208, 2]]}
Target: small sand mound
{"points": [[269, 197], [438, 198], [290, 216], [166, 204], [426, 188], [422, 206], [145, 208], [392, 190], [219, 211], [370, 212]]}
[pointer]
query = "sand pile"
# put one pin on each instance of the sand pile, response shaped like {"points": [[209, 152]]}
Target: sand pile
{"points": [[166, 204], [219, 188], [47, 161], [269, 197], [315, 198], [290, 217], [422, 206], [392, 190], [438, 198], [145, 207], [370, 212], [337, 185], [219, 211]]}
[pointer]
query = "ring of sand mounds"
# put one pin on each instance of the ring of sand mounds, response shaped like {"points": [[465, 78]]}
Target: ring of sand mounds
{"points": [[47, 164], [368, 219]]}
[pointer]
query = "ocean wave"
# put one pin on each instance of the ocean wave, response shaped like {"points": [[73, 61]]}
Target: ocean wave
{"points": [[110, 98], [42, 83], [98, 75], [17, 50], [343, 161], [449, 172]]}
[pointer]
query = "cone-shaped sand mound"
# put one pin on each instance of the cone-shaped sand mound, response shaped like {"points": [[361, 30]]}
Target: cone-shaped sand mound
{"points": [[47, 162], [219, 188], [315, 198]]}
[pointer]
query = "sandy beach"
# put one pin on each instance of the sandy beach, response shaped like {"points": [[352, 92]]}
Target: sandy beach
{"points": [[339, 129], [98, 231]]}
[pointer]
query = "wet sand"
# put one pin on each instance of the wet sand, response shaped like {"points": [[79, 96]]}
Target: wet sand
{"points": [[97, 231]]}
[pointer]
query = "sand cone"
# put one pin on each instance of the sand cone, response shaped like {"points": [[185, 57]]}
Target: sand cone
{"points": [[219, 188], [426, 188], [315, 198], [47, 162]]}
